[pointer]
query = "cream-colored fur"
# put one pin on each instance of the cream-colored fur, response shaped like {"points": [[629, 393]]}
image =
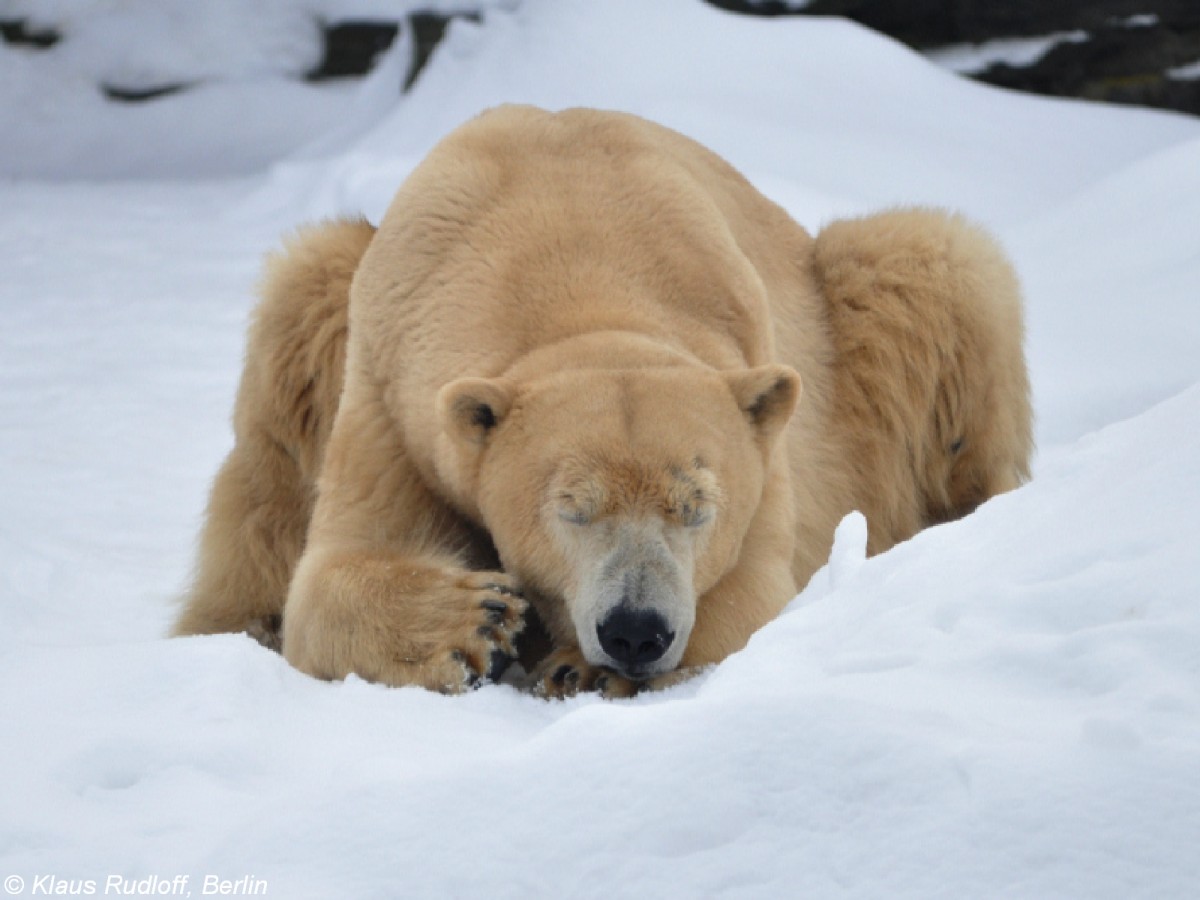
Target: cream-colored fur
{"points": [[577, 348], [263, 495]]}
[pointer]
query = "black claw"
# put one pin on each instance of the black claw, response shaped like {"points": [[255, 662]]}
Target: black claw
{"points": [[471, 678], [602, 683], [485, 631], [496, 606], [560, 674], [498, 664]]}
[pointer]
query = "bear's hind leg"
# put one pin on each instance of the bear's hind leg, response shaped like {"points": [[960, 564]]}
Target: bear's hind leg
{"points": [[254, 532], [262, 497], [932, 395]]}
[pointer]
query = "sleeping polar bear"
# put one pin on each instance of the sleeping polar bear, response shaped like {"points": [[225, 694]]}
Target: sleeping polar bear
{"points": [[562, 383]]}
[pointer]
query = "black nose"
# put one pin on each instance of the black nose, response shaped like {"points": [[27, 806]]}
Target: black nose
{"points": [[634, 637]]}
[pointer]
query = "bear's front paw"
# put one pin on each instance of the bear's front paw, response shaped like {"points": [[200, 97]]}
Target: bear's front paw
{"points": [[403, 623], [481, 647], [565, 673]]}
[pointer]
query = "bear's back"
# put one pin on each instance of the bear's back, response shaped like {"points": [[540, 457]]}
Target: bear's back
{"points": [[524, 227]]}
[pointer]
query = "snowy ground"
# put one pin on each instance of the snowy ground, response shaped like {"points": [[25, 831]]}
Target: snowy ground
{"points": [[1008, 706]]}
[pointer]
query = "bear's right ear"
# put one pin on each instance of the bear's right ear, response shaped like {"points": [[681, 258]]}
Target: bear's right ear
{"points": [[470, 408], [767, 396]]}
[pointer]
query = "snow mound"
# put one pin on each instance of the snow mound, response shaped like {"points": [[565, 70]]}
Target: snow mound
{"points": [[1017, 688]]}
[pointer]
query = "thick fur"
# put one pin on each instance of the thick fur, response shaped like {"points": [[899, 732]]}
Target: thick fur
{"points": [[575, 347], [262, 497]]}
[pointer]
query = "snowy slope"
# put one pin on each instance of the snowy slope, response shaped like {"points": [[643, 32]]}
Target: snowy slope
{"points": [[1007, 706]]}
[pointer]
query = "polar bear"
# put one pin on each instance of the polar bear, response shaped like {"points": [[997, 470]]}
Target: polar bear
{"points": [[584, 376]]}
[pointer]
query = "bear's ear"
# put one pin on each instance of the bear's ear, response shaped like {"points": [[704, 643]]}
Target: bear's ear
{"points": [[767, 396], [470, 408]]}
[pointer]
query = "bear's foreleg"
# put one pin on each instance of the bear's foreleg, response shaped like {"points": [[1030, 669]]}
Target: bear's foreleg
{"points": [[384, 589]]}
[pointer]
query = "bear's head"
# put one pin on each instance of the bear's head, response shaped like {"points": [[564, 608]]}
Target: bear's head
{"points": [[616, 498]]}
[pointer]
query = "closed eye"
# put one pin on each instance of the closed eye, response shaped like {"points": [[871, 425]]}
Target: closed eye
{"points": [[694, 516], [574, 516], [692, 499]]}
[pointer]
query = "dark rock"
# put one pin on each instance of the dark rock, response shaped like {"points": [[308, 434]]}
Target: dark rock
{"points": [[920, 23], [137, 95], [1118, 65], [932, 23], [19, 32], [428, 30], [351, 48], [980, 20]]}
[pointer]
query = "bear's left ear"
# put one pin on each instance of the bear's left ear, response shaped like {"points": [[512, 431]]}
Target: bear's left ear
{"points": [[470, 408], [767, 396]]}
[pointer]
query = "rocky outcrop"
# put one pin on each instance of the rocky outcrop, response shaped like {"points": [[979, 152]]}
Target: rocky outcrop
{"points": [[1146, 65], [1143, 52]]}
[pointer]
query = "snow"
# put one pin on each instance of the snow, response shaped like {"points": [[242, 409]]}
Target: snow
{"points": [[243, 113], [246, 108], [1004, 706], [147, 44], [970, 59], [1187, 72]]}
